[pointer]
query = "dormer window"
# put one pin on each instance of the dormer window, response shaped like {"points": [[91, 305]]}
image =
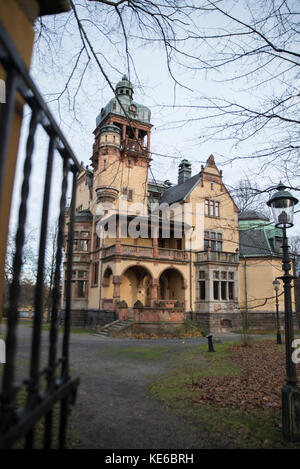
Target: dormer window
{"points": [[133, 109]]}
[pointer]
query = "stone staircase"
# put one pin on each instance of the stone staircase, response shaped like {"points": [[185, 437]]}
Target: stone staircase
{"points": [[114, 328]]}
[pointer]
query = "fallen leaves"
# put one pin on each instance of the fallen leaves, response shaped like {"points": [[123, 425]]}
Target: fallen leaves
{"points": [[257, 386]]}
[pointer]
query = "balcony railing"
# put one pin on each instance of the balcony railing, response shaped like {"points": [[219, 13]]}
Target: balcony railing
{"points": [[146, 251], [217, 256], [132, 145]]}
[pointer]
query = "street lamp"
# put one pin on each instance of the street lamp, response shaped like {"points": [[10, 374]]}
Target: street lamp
{"points": [[276, 285], [282, 204]]}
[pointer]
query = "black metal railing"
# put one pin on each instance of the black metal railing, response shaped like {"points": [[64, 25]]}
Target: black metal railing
{"points": [[44, 388]]}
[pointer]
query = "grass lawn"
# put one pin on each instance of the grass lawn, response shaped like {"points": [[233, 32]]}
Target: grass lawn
{"points": [[219, 393], [46, 327], [266, 332]]}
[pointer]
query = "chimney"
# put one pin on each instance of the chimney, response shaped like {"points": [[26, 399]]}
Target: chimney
{"points": [[184, 171]]}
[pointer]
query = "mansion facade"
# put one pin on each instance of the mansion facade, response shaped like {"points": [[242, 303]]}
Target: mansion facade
{"points": [[158, 252]]}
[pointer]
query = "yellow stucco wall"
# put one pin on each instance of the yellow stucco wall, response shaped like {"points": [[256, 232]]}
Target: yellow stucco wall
{"points": [[259, 275], [21, 32]]}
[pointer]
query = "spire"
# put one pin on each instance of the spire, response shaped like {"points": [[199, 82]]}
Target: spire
{"points": [[124, 87]]}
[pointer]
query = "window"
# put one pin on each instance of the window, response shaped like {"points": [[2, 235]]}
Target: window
{"points": [[212, 208], [223, 290], [201, 274], [128, 193], [84, 245], [78, 287], [217, 206], [179, 244], [230, 290], [81, 285], [223, 286], [81, 243], [216, 290], [202, 290], [206, 208], [213, 240]]}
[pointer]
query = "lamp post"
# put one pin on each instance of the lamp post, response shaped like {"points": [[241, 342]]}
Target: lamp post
{"points": [[276, 285], [282, 204]]}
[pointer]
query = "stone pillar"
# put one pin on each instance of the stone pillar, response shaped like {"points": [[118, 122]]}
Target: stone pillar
{"points": [[153, 292], [148, 141], [117, 280]]}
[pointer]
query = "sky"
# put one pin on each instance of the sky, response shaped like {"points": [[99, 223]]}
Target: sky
{"points": [[171, 141]]}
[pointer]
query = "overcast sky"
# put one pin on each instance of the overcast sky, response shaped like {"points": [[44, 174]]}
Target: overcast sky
{"points": [[172, 139]]}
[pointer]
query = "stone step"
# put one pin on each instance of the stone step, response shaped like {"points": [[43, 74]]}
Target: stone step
{"points": [[115, 326]]}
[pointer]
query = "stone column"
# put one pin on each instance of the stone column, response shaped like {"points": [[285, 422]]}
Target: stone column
{"points": [[117, 280], [153, 292]]}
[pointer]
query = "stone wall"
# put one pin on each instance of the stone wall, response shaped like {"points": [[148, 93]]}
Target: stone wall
{"points": [[91, 318], [217, 323], [159, 315]]}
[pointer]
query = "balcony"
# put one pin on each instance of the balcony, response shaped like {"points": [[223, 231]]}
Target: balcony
{"points": [[217, 256], [134, 147], [145, 251]]}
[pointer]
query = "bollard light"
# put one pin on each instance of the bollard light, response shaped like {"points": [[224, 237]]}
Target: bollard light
{"points": [[210, 343]]}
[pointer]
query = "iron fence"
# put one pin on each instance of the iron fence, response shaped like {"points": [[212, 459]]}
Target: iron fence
{"points": [[60, 389]]}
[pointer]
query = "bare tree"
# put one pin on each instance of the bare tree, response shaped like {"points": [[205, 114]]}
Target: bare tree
{"points": [[248, 196], [249, 44], [29, 267], [50, 263], [294, 243]]}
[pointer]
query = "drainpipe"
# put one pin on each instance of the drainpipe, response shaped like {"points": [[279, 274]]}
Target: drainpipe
{"points": [[246, 294], [191, 290], [101, 270]]}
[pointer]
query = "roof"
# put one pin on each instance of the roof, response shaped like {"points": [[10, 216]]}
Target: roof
{"points": [[134, 110], [84, 215], [252, 215], [254, 243], [181, 191]]}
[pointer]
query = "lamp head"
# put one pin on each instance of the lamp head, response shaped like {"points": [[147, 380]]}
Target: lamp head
{"points": [[282, 204]]}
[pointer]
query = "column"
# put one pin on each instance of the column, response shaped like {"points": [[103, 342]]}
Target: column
{"points": [[117, 280], [153, 292]]}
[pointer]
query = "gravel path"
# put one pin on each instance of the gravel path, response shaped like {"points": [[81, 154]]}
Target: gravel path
{"points": [[112, 409]]}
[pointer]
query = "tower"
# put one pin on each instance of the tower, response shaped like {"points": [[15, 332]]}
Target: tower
{"points": [[121, 151]]}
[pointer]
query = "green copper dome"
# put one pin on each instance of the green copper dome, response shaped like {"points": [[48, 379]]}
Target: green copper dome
{"points": [[124, 91]]}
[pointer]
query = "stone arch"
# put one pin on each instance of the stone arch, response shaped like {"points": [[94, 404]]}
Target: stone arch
{"points": [[146, 268], [136, 281], [107, 288], [172, 285]]}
